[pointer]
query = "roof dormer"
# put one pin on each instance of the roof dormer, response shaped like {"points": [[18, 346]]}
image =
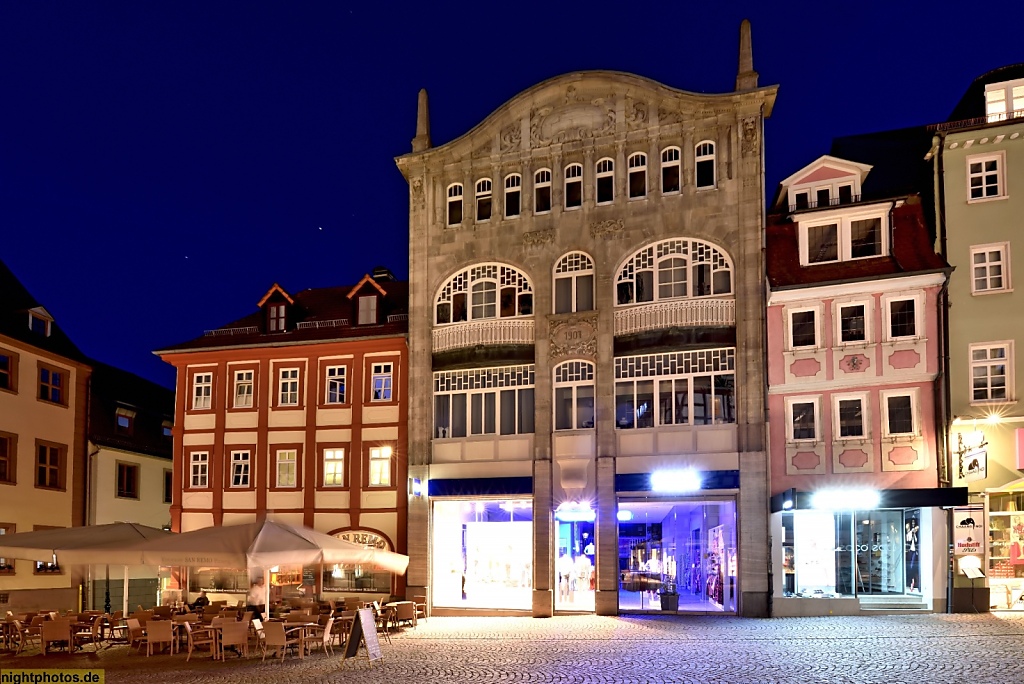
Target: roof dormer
{"points": [[40, 321], [276, 305], [1004, 100], [827, 182], [365, 297]]}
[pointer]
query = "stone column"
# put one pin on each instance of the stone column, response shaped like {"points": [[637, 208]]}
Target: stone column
{"points": [[543, 519]]}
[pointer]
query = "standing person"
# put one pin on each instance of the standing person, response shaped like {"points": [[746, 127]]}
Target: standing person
{"points": [[257, 599]]}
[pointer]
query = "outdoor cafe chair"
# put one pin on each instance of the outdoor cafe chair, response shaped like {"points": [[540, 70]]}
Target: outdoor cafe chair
{"points": [[117, 630], [234, 634], [94, 635], [323, 636], [405, 612], [275, 637], [158, 632], [199, 637], [421, 607], [55, 632], [23, 636], [296, 616], [256, 629], [135, 633], [247, 616]]}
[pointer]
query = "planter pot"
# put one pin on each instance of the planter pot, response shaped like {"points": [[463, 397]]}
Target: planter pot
{"points": [[670, 602]]}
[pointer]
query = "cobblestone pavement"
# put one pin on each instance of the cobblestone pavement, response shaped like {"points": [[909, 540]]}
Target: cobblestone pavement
{"points": [[889, 649]]}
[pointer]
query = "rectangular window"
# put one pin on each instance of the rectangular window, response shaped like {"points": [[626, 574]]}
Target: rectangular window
{"points": [[168, 486], [865, 238], [243, 388], [483, 200], [127, 481], [336, 384], [823, 243], [899, 414], [803, 422], [202, 390], [804, 329], [851, 323], [380, 466], [513, 194], [990, 268], [8, 458], [984, 177], [851, 418], [287, 465], [334, 467], [123, 424], [381, 382], [50, 465], [845, 194], [239, 468], [368, 310], [289, 387], [573, 186], [52, 385], [6, 564], [670, 170], [277, 317], [990, 372], [605, 189], [542, 192], [902, 318], [8, 371], [200, 470], [801, 200]]}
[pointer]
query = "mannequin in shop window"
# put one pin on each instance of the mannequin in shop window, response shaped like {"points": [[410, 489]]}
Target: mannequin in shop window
{"points": [[564, 567]]}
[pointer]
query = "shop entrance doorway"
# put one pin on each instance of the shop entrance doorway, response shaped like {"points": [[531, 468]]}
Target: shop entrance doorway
{"points": [[677, 555], [575, 551]]}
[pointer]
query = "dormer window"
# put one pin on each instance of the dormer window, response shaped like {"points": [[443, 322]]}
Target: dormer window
{"points": [[831, 238], [1004, 100], [274, 305], [828, 182], [125, 420], [39, 322], [368, 310], [276, 316]]}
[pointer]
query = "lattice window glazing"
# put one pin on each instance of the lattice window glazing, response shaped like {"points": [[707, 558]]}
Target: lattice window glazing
{"points": [[574, 261], [574, 371], [676, 363], [485, 378], [709, 272], [514, 294]]}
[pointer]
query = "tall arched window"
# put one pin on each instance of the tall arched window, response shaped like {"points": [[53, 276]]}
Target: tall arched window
{"points": [[454, 204], [670, 170], [573, 186], [574, 395], [484, 291], [605, 181], [673, 269], [513, 193], [705, 157], [542, 191], [574, 283], [637, 175], [483, 199]]}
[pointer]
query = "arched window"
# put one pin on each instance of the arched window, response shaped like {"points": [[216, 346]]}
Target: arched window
{"points": [[484, 291], [673, 269], [573, 186], [483, 199], [574, 395], [670, 170], [454, 204], [542, 191], [605, 181], [637, 175], [574, 283], [513, 192], [705, 156]]}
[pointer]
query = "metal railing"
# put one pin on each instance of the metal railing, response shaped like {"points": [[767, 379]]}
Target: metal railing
{"points": [[332, 323], [247, 330], [671, 314], [978, 121], [832, 202], [459, 335], [398, 318]]}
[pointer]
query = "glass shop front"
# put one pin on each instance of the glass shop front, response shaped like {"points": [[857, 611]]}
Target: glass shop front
{"points": [[483, 553], [677, 555]]}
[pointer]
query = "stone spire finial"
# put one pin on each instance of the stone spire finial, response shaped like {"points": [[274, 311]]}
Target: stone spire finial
{"points": [[746, 77], [422, 140]]}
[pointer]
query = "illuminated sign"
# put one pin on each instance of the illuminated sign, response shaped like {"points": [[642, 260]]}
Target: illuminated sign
{"points": [[675, 481], [845, 499], [367, 539], [575, 511]]}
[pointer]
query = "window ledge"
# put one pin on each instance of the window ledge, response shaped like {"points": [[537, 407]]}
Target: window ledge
{"points": [[994, 403], [982, 200], [52, 489], [790, 442], [993, 291]]}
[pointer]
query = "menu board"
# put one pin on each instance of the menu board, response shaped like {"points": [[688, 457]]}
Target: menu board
{"points": [[364, 629]]}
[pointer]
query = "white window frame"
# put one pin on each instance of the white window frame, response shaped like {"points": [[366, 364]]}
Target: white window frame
{"points": [[1008, 93], [865, 418], [202, 391], [574, 385], [838, 308], [288, 387], [1001, 192], [672, 156], [284, 457], [240, 472], [334, 375], [1003, 249], [604, 168], [844, 234], [513, 185], [637, 163], [540, 180], [484, 191], [462, 283], [576, 171], [199, 470], [883, 398], [244, 379], [701, 154], [790, 402], [335, 475], [818, 337], [367, 310], [918, 317], [455, 194], [573, 266], [277, 318], [382, 378], [380, 464], [1007, 361]]}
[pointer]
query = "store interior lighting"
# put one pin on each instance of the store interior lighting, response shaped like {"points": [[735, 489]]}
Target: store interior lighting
{"points": [[846, 499], [675, 481]]}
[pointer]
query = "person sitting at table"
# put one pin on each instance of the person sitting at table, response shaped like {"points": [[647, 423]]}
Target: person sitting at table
{"points": [[201, 602], [257, 599]]}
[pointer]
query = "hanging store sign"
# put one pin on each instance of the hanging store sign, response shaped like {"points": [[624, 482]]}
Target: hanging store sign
{"points": [[968, 530], [975, 464]]}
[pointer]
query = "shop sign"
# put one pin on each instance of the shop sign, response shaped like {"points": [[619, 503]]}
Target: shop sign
{"points": [[367, 539], [968, 530], [975, 465]]}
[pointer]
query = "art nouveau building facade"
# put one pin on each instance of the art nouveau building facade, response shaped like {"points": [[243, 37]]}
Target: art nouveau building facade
{"points": [[586, 316], [297, 413]]}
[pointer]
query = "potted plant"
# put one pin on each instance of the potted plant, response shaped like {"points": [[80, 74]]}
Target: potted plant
{"points": [[669, 597]]}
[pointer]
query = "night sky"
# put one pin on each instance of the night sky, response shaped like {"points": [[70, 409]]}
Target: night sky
{"points": [[163, 163]]}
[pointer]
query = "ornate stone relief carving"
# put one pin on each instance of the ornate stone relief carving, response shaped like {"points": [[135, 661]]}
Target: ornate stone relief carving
{"points": [[416, 191], [636, 113], [538, 237], [577, 119], [748, 142], [483, 150], [609, 228], [573, 335], [511, 137], [667, 115]]}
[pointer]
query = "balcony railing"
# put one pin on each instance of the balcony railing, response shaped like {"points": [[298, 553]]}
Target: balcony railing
{"points": [[332, 323], [459, 335], [675, 314], [247, 330], [832, 202], [978, 121], [398, 318]]}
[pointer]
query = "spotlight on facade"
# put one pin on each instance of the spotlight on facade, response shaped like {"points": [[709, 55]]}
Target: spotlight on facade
{"points": [[789, 499], [575, 511], [417, 487], [675, 481], [845, 499], [993, 419], [623, 515]]}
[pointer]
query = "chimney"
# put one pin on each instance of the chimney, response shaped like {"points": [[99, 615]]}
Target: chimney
{"points": [[746, 77], [381, 273]]}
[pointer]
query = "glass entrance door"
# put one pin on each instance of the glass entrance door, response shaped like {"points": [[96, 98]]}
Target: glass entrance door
{"points": [[575, 552], [880, 552]]}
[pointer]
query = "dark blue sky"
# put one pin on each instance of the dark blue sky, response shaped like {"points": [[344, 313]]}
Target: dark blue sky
{"points": [[163, 163]]}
